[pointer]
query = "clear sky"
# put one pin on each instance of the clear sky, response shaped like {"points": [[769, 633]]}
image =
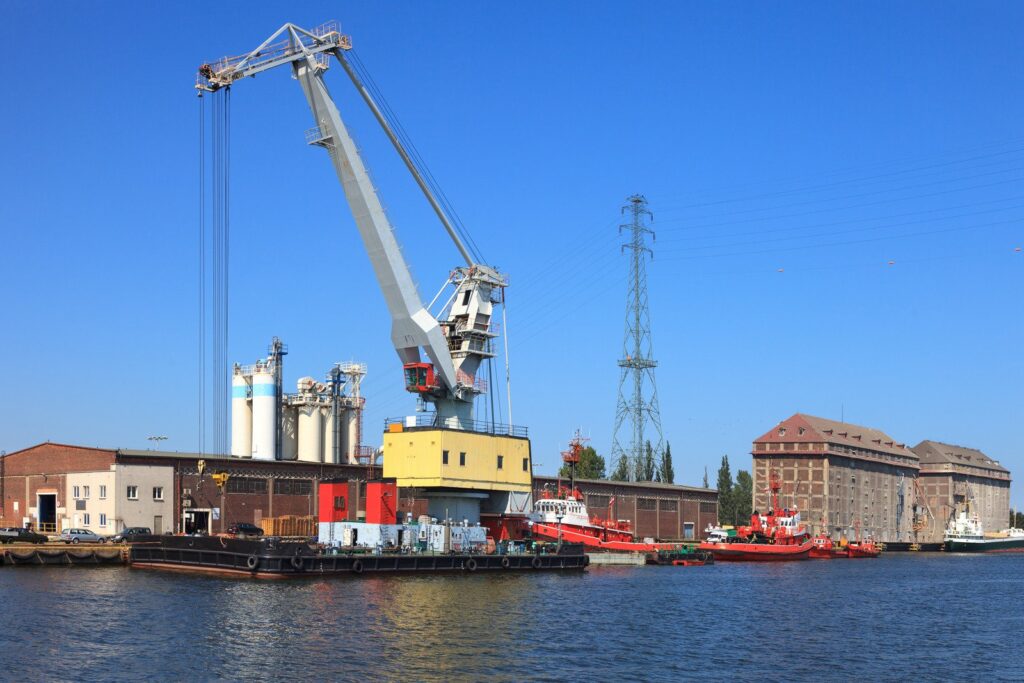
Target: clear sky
{"points": [[789, 153]]}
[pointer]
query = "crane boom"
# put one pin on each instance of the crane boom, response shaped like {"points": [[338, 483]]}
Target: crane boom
{"points": [[455, 346]]}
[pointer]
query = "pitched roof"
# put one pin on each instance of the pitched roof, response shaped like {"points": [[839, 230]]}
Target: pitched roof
{"points": [[811, 428], [936, 452]]}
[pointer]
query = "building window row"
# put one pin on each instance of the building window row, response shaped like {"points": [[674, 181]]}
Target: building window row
{"points": [[293, 487], [246, 485]]}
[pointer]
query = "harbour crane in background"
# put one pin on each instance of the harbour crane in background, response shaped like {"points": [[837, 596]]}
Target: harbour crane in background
{"points": [[461, 338]]}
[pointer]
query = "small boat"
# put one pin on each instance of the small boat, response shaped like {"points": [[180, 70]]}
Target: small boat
{"points": [[773, 537], [563, 516], [686, 556], [966, 535], [825, 549]]}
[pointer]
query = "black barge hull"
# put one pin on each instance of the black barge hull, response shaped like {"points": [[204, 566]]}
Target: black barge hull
{"points": [[274, 559]]}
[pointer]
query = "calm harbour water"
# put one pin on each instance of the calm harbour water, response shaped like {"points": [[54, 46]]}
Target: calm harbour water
{"points": [[902, 617]]}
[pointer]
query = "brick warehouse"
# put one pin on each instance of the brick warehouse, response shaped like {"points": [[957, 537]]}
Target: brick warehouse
{"points": [[843, 476], [952, 476], [55, 486], [840, 476]]}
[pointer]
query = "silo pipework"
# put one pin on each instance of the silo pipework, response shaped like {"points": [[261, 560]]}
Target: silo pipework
{"points": [[264, 413], [241, 414]]}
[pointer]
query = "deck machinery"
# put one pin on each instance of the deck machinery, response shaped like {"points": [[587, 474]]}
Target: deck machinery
{"points": [[458, 462]]}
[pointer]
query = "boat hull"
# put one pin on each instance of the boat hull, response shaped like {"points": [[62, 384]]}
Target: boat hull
{"points": [[758, 552], [272, 559], [985, 545], [574, 534]]}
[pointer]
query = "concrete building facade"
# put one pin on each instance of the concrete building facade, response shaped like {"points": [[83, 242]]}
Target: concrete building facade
{"points": [[844, 478], [953, 477]]}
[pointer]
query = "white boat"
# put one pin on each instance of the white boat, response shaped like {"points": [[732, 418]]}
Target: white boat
{"points": [[966, 535]]}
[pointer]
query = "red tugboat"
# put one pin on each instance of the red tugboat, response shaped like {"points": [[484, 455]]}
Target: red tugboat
{"points": [[777, 536], [563, 516], [825, 549], [862, 549]]}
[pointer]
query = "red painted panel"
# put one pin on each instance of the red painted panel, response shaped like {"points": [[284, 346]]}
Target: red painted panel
{"points": [[381, 502]]}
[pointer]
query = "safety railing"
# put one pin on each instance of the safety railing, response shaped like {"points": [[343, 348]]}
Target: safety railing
{"points": [[479, 426]]}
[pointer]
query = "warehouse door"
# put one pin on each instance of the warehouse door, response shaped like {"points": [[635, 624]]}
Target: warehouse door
{"points": [[47, 513], [195, 521], [158, 524]]}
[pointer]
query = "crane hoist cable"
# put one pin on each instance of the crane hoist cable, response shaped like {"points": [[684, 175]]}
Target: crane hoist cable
{"points": [[417, 158]]}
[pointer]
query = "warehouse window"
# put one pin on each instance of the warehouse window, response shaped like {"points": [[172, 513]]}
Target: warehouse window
{"points": [[103, 491], [444, 457], [77, 492], [339, 502], [465, 299], [247, 485], [293, 487], [158, 493], [462, 459], [86, 519], [501, 461], [103, 519], [133, 493], [669, 506], [646, 504], [85, 492]]}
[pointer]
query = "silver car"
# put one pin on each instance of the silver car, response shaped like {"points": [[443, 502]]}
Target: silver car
{"points": [[80, 536]]}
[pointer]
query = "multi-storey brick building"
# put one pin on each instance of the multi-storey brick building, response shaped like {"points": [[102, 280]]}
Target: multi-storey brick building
{"points": [[842, 477], [953, 477]]}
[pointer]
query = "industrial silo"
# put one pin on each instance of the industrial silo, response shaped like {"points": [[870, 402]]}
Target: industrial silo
{"points": [[264, 413], [289, 432], [310, 433], [241, 415], [331, 454], [350, 427]]}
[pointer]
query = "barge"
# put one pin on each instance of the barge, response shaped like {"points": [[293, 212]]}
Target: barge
{"points": [[273, 558]]}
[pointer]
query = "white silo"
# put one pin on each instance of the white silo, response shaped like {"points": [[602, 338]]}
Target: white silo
{"points": [[289, 433], [310, 433], [264, 413], [328, 423], [241, 415], [350, 427]]}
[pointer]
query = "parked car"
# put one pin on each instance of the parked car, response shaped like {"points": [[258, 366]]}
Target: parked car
{"points": [[14, 534], [129, 534], [80, 536], [244, 529]]}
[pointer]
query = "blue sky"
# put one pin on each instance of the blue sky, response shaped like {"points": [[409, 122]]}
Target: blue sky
{"points": [[788, 152]]}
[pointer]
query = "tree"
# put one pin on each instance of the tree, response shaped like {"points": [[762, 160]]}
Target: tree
{"points": [[1016, 520], [743, 497], [705, 476], [726, 509], [590, 466], [621, 472], [645, 467], [665, 472]]}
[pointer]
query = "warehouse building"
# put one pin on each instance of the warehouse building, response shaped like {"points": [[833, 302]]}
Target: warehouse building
{"points": [[57, 486], [953, 477], [843, 478]]}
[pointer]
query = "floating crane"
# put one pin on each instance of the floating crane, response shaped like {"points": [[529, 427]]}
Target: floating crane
{"points": [[455, 345], [480, 469]]}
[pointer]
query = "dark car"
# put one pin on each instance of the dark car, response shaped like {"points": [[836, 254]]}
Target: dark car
{"points": [[16, 535], [129, 534], [243, 529]]}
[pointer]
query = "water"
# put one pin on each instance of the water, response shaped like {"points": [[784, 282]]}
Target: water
{"points": [[901, 617]]}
